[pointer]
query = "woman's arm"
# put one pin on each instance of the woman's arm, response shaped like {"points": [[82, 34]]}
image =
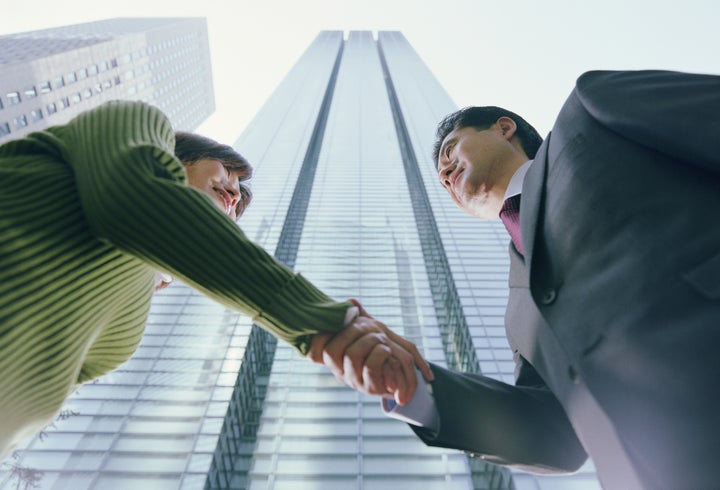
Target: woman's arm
{"points": [[133, 192]]}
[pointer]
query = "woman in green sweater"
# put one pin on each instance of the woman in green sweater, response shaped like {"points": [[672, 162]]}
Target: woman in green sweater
{"points": [[89, 211]]}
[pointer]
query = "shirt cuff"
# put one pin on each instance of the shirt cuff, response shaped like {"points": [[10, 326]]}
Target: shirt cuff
{"points": [[420, 410]]}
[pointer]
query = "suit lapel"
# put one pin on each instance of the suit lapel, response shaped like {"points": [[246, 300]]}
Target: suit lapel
{"points": [[532, 199]]}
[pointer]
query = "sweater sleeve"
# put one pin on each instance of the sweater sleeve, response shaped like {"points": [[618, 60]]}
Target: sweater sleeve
{"points": [[133, 193]]}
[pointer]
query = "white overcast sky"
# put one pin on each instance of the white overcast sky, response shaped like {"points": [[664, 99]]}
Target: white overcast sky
{"points": [[521, 54]]}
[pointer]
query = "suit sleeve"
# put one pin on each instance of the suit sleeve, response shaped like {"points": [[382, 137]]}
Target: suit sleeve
{"points": [[675, 113], [520, 426], [133, 193]]}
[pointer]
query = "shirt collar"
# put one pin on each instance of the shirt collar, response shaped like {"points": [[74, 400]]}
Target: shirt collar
{"points": [[516, 181]]}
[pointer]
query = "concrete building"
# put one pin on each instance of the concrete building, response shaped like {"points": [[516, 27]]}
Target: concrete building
{"points": [[49, 76]]}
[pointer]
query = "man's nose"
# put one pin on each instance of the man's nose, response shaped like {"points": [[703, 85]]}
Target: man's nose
{"points": [[445, 173]]}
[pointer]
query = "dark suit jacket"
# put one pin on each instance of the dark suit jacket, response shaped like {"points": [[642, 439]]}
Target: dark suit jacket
{"points": [[614, 312]]}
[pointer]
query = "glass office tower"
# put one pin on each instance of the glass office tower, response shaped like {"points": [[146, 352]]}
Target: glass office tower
{"points": [[49, 76], [345, 193]]}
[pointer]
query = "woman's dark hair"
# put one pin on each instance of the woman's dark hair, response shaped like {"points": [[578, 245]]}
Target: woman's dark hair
{"points": [[482, 118], [190, 148]]}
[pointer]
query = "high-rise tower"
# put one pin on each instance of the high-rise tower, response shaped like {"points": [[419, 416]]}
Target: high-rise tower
{"points": [[346, 193], [49, 76]]}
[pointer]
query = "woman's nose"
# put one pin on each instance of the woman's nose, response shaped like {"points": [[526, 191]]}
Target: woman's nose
{"points": [[234, 191]]}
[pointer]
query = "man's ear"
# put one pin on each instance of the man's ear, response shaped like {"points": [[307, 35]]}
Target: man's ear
{"points": [[507, 126]]}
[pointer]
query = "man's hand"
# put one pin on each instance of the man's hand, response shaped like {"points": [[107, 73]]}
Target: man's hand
{"points": [[369, 357]]}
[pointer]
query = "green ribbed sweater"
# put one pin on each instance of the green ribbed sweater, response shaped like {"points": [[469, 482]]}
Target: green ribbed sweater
{"points": [[88, 211]]}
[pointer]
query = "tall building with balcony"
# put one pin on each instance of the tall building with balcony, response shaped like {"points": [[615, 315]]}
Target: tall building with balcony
{"points": [[49, 76], [345, 193]]}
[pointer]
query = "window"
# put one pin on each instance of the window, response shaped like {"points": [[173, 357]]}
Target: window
{"points": [[93, 70], [103, 66], [1, 106], [4, 129], [45, 87], [113, 63], [30, 92], [75, 98], [98, 88], [36, 115], [107, 83], [118, 81], [51, 108], [13, 98], [20, 122], [59, 82], [82, 74], [87, 93], [71, 77], [64, 103]]}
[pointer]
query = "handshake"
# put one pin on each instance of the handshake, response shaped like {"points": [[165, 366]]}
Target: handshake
{"points": [[370, 358]]}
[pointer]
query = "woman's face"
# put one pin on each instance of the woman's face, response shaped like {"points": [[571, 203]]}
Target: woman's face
{"points": [[212, 178]]}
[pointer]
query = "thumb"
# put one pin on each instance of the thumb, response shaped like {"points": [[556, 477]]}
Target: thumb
{"points": [[363, 311]]}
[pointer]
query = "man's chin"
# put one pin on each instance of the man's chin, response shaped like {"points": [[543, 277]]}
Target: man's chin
{"points": [[482, 210]]}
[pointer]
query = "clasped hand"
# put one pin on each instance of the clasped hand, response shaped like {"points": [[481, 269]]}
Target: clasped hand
{"points": [[370, 358]]}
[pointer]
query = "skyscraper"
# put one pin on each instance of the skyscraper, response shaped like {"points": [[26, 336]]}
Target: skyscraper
{"points": [[345, 193], [49, 76]]}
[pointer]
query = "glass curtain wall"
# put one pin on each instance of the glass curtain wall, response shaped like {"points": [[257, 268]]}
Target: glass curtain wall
{"points": [[359, 240], [477, 250]]}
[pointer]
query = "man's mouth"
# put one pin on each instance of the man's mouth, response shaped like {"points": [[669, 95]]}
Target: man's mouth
{"points": [[455, 176]]}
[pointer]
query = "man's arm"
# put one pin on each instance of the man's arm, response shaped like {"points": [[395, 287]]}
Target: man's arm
{"points": [[672, 112], [519, 426], [522, 426]]}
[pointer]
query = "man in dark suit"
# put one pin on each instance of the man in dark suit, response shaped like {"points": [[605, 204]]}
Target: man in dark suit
{"points": [[614, 306]]}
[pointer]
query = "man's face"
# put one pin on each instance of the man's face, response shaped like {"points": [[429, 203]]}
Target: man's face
{"points": [[475, 168]]}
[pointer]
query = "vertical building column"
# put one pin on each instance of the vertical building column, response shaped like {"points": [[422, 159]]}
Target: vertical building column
{"points": [[233, 455], [457, 341]]}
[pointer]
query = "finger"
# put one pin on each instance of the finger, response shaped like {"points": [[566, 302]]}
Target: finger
{"points": [[317, 345], [401, 383], [391, 383], [373, 378], [334, 350], [404, 367], [363, 311], [410, 347], [359, 354]]}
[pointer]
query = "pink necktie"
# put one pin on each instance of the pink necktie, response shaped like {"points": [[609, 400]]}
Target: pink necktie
{"points": [[510, 216]]}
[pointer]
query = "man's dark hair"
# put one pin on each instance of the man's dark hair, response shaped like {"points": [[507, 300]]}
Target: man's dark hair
{"points": [[190, 148], [482, 118]]}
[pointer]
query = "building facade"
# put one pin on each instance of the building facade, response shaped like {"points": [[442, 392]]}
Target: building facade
{"points": [[345, 193], [49, 76]]}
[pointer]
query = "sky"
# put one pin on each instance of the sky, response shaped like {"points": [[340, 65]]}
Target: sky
{"points": [[520, 54]]}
